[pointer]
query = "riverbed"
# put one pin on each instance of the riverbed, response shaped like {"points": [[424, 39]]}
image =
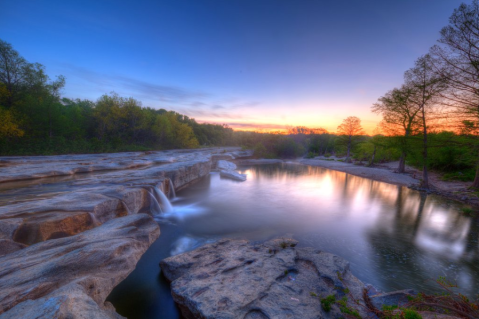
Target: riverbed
{"points": [[394, 237]]}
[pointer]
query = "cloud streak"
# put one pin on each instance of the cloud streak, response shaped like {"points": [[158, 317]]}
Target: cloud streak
{"points": [[139, 88], [194, 103]]}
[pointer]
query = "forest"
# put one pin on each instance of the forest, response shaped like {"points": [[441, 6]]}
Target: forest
{"points": [[35, 119], [431, 121]]}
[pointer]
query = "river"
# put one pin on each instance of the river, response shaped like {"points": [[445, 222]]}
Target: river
{"points": [[394, 237]]}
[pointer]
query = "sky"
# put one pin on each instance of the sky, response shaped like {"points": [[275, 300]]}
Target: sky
{"points": [[261, 65]]}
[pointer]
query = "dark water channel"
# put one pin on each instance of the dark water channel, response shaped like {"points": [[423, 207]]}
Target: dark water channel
{"points": [[394, 237]]}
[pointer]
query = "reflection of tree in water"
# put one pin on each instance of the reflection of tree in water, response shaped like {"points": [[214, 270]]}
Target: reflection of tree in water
{"points": [[399, 255], [471, 252], [278, 170]]}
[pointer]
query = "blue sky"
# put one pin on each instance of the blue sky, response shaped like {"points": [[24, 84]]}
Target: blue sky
{"points": [[248, 63]]}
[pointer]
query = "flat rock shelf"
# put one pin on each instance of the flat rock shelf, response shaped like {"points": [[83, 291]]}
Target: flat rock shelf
{"points": [[74, 226]]}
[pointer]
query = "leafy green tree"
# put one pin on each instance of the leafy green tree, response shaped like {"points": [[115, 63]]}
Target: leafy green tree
{"points": [[9, 126], [17, 75]]}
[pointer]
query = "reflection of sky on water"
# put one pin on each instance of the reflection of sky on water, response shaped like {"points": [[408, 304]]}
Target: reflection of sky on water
{"points": [[394, 237]]}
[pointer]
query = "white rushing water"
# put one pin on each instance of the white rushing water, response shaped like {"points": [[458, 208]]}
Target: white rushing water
{"points": [[172, 192], [155, 207], [167, 208]]}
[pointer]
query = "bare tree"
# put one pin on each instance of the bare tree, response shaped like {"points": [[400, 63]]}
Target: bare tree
{"points": [[350, 128], [427, 88], [456, 59], [400, 118]]}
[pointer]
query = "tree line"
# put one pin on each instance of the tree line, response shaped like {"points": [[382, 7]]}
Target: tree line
{"points": [[35, 119], [431, 121]]}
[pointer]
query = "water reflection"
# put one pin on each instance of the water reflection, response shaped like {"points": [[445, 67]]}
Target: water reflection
{"points": [[394, 237]]}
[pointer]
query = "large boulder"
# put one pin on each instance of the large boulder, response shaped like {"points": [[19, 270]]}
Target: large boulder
{"points": [[225, 165], [239, 279], [83, 268]]}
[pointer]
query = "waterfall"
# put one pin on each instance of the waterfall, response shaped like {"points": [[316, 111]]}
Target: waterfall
{"points": [[94, 220], [172, 192], [155, 207], [126, 207], [167, 208]]}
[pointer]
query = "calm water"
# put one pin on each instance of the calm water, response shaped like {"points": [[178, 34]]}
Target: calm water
{"points": [[394, 237]]}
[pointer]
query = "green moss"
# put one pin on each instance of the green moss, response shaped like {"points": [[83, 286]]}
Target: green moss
{"points": [[327, 302], [411, 314], [467, 211], [343, 306], [389, 308]]}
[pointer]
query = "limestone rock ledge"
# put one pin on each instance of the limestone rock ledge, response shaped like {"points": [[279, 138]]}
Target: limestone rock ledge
{"points": [[233, 175], [239, 279], [71, 277]]}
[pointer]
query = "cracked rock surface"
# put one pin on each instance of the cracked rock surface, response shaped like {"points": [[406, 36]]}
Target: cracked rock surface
{"points": [[240, 279], [77, 271]]}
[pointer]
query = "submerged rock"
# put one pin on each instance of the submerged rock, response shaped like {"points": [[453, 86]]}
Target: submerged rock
{"points": [[395, 298], [225, 165], [239, 279], [233, 175], [261, 161], [71, 277]]}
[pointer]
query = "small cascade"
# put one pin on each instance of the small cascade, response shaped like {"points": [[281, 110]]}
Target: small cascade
{"points": [[126, 207], [167, 208], [172, 193], [155, 207], [94, 220]]}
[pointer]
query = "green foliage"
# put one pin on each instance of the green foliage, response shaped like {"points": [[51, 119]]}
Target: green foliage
{"points": [[36, 120], [455, 155], [343, 306], [268, 145], [467, 211], [389, 308], [447, 302], [411, 314], [464, 175], [9, 125], [394, 312], [383, 151], [310, 155], [327, 302]]}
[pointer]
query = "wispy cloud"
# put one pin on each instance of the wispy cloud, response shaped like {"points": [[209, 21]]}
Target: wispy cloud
{"points": [[194, 103], [138, 88]]}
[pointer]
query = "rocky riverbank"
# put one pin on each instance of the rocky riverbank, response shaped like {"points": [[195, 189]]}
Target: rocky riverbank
{"points": [[73, 226], [385, 172], [239, 279]]}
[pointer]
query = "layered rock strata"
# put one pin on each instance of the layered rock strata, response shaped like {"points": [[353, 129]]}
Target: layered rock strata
{"points": [[72, 227], [71, 277], [128, 185]]}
